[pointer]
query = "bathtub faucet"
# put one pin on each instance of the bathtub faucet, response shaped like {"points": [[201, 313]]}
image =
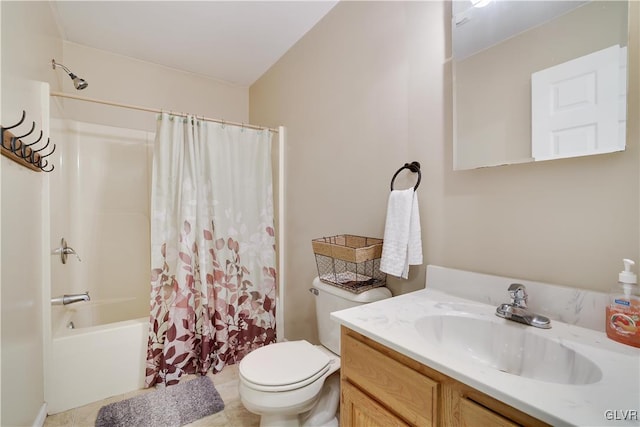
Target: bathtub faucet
{"points": [[70, 299]]}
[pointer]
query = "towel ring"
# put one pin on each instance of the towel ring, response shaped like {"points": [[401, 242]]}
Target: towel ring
{"points": [[413, 167]]}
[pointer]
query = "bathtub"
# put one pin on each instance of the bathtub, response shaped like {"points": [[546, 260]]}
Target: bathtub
{"points": [[94, 361]]}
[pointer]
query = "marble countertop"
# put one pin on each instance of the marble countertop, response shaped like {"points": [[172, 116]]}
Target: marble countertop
{"points": [[612, 400]]}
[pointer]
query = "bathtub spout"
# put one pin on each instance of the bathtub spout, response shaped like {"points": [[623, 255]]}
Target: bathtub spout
{"points": [[70, 299]]}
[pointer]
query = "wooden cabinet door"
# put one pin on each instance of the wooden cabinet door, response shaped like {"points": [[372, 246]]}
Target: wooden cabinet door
{"points": [[359, 410], [474, 415], [412, 396]]}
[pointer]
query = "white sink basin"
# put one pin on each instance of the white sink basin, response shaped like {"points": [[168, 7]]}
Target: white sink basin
{"points": [[509, 347]]}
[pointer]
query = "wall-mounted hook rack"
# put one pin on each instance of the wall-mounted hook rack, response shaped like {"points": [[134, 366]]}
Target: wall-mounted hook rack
{"points": [[20, 152]]}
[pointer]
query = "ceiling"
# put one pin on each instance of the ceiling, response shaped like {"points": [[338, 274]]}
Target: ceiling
{"points": [[232, 41]]}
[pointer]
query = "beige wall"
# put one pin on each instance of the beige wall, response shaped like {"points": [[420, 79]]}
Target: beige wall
{"points": [[29, 40], [368, 89], [127, 80]]}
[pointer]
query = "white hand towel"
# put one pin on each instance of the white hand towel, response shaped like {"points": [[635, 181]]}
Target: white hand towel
{"points": [[402, 245]]}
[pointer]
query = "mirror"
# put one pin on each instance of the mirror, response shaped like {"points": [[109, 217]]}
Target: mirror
{"points": [[537, 80]]}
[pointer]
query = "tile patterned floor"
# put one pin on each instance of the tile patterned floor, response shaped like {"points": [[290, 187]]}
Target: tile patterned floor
{"points": [[226, 382]]}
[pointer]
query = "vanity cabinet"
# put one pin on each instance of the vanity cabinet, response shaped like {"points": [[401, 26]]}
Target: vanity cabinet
{"points": [[359, 410], [381, 387]]}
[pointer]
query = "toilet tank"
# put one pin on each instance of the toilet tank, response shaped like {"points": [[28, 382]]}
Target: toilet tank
{"points": [[329, 298]]}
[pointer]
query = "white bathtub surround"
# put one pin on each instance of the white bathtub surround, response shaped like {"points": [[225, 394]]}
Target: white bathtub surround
{"points": [[94, 312], [99, 199], [423, 325], [100, 205], [213, 289]]}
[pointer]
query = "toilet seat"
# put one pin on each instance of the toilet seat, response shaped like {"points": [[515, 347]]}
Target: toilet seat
{"points": [[284, 366]]}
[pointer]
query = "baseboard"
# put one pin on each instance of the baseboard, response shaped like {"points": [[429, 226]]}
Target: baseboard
{"points": [[42, 415]]}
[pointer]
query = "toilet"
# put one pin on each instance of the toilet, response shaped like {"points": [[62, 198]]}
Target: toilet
{"points": [[296, 383]]}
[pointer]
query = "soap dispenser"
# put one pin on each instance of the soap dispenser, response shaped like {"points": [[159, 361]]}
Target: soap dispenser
{"points": [[623, 311]]}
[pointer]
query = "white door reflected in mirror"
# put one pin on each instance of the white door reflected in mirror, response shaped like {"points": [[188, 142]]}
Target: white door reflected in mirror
{"points": [[575, 106]]}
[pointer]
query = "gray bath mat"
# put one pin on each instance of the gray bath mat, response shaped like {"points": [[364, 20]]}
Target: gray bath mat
{"points": [[171, 406]]}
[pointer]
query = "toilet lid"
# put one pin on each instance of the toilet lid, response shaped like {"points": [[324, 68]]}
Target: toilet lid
{"points": [[284, 365]]}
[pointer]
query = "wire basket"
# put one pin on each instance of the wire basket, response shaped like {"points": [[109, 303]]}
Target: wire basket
{"points": [[349, 262]]}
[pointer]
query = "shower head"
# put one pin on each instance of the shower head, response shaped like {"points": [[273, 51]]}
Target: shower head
{"points": [[77, 81]]}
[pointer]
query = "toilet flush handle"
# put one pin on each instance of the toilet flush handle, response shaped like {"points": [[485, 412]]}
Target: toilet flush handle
{"points": [[314, 291]]}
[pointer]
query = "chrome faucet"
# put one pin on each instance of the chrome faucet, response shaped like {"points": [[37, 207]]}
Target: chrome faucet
{"points": [[70, 299], [517, 310]]}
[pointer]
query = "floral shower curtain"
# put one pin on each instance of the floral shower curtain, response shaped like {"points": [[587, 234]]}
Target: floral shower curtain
{"points": [[213, 278]]}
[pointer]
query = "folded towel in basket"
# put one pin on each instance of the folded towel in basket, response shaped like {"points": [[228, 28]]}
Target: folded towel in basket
{"points": [[402, 245]]}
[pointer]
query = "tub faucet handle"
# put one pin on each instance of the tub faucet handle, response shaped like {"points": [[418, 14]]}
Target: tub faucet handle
{"points": [[65, 250]]}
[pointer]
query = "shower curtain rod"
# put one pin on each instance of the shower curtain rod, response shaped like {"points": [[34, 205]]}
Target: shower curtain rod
{"points": [[155, 110]]}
